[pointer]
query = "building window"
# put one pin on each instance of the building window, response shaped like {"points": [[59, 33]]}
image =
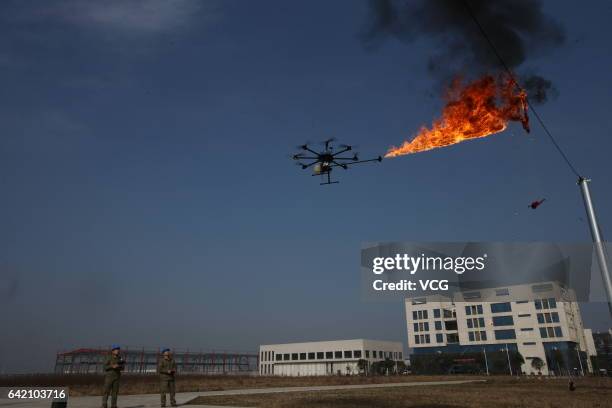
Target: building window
{"points": [[469, 323], [302, 356], [471, 336], [374, 352], [501, 307], [522, 301], [543, 333], [416, 327], [502, 292], [503, 321], [538, 304], [414, 315], [348, 354], [529, 343], [483, 335], [555, 317], [546, 287], [540, 318], [552, 303], [357, 353], [338, 354], [367, 353], [311, 356], [505, 334], [294, 356], [558, 332], [427, 339], [468, 310], [426, 325], [320, 355], [527, 329], [439, 338], [471, 295], [452, 338], [279, 357], [416, 341], [399, 353], [436, 313], [438, 325], [329, 355], [525, 315], [551, 332]]}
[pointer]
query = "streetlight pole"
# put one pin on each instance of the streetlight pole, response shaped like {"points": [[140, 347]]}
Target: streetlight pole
{"points": [[484, 350], [508, 354], [579, 360], [600, 248]]}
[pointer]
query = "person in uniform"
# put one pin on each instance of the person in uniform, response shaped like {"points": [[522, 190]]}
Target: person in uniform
{"points": [[167, 370], [113, 365]]}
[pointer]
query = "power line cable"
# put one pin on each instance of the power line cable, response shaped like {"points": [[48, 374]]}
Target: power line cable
{"points": [[535, 113]]}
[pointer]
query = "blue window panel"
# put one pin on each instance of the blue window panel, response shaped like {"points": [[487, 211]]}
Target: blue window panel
{"points": [[424, 314], [426, 326], [438, 325], [543, 333], [416, 327], [555, 317], [505, 334], [471, 336], [501, 307], [469, 323], [436, 313], [540, 318], [552, 303], [481, 321], [479, 307], [538, 304], [468, 310], [503, 321], [558, 332], [414, 315], [439, 338], [483, 335]]}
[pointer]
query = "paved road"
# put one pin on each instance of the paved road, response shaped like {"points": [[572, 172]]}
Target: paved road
{"points": [[152, 400]]}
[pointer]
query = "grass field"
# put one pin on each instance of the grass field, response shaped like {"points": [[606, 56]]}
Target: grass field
{"points": [[497, 392], [80, 385]]}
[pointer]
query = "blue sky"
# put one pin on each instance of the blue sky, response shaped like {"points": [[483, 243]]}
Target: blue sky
{"points": [[148, 197]]}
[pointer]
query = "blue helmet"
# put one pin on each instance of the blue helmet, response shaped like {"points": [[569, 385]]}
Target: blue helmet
{"points": [[164, 349], [115, 347]]}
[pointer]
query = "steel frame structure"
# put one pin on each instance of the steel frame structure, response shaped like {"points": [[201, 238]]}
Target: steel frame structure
{"points": [[144, 361]]}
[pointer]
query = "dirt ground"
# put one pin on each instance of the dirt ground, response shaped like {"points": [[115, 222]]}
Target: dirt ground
{"points": [[496, 392], [80, 385]]}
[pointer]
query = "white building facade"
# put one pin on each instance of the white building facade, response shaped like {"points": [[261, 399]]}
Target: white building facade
{"points": [[537, 320], [338, 357]]}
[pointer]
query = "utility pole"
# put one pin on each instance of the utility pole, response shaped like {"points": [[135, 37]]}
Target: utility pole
{"points": [[484, 350], [600, 248]]}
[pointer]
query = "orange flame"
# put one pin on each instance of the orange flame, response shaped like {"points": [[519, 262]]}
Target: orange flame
{"points": [[479, 109]]}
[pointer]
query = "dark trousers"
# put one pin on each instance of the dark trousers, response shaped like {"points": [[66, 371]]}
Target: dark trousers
{"points": [[167, 386], [111, 386]]}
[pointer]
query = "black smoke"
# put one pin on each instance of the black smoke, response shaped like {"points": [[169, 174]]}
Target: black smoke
{"points": [[519, 29]]}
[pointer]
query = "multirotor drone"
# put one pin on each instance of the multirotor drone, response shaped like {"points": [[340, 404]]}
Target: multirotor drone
{"points": [[324, 162]]}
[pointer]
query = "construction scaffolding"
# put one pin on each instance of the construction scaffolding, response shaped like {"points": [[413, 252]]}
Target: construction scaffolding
{"points": [[143, 361]]}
